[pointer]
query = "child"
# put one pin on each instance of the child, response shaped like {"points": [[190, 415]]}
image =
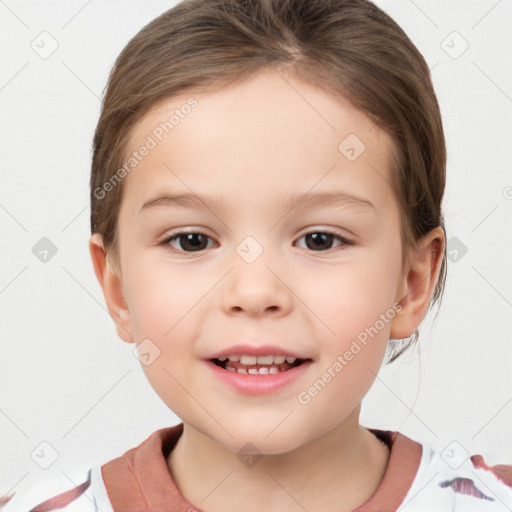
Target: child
{"points": [[266, 192]]}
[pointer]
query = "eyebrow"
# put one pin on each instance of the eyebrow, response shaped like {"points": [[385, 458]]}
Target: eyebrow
{"points": [[295, 199]]}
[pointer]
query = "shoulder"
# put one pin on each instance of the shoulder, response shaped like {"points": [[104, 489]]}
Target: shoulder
{"points": [[88, 496], [116, 481], [455, 480]]}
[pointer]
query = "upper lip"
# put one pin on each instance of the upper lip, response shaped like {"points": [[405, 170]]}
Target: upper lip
{"points": [[251, 350]]}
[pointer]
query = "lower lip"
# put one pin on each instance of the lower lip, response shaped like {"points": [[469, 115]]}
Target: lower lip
{"points": [[258, 384]]}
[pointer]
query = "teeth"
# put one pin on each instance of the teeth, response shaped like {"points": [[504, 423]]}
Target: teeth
{"points": [[269, 364], [250, 360], [265, 359], [273, 370]]}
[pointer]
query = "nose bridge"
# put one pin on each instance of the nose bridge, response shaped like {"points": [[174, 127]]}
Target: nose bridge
{"points": [[254, 283], [251, 249]]}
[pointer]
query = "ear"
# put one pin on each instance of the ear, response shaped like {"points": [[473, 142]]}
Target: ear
{"points": [[418, 282], [112, 285]]}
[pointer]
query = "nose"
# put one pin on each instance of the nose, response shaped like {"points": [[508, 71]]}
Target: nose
{"points": [[256, 289]]}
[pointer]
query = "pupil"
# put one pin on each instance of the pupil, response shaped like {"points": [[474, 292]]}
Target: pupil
{"points": [[323, 239], [191, 239]]}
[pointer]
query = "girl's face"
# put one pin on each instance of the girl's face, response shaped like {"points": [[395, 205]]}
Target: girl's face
{"points": [[314, 278]]}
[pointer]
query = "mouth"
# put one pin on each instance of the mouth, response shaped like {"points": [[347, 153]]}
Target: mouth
{"points": [[258, 365]]}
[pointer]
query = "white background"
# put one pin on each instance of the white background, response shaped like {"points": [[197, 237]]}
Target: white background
{"points": [[68, 380]]}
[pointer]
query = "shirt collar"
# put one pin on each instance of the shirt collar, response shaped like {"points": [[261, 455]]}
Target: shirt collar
{"points": [[140, 480]]}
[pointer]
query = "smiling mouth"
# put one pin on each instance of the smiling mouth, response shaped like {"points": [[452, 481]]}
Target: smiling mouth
{"points": [[271, 365]]}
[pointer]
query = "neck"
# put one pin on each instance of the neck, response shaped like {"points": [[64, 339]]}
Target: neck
{"points": [[338, 471]]}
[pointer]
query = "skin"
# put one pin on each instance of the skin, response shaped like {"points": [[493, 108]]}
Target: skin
{"points": [[254, 142]]}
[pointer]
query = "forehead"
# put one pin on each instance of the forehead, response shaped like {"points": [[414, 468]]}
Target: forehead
{"points": [[270, 131]]}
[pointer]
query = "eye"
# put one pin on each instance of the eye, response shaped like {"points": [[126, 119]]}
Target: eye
{"points": [[188, 241], [194, 241], [321, 241]]}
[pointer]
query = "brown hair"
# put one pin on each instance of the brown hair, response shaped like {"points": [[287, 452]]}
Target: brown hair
{"points": [[347, 47]]}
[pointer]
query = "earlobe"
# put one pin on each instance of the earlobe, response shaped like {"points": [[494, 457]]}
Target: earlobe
{"points": [[112, 286], [418, 283]]}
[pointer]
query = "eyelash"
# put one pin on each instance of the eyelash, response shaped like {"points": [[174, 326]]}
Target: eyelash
{"points": [[175, 236]]}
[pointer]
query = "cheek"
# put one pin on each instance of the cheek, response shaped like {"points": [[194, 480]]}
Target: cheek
{"points": [[351, 297], [163, 306], [162, 298], [352, 336]]}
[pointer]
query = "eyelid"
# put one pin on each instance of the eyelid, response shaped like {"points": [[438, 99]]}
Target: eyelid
{"points": [[345, 241], [183, 231], [345, 234]]}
